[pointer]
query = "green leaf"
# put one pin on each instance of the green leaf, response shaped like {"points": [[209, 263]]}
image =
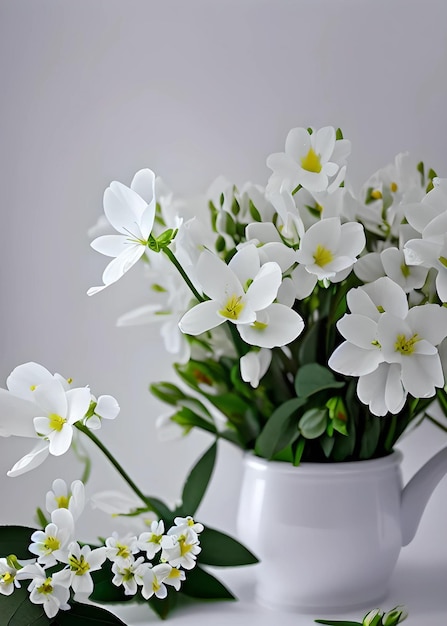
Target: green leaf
{"points": [[16, 540], [313, 423], [336, 622], [370, 438], [312, 378], [87, 615], [197, 481], [17, 610], [200, 584], [299, 449], [188, 419], [279, 428], [222, 550]]}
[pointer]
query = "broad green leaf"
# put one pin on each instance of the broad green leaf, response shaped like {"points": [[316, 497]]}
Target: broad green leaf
{"points": [[222, 550], [312, 378], [87, 615], [201, 584], [197, 481], [370, 438], [282, 421], [338, 414], [298, 452], [313, 423], [17, 610], [16, 540], [167, 392], [164, 606]]}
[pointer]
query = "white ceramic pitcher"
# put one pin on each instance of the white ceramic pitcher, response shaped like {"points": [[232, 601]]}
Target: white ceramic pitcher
{"points": [[329, 535]]}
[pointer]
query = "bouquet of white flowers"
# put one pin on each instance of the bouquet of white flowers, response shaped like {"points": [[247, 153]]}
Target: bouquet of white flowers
{"points": [[308, 322]]}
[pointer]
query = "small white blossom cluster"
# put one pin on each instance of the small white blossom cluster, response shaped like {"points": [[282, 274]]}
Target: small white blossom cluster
{"points": [[147, 563], [45, 406], [259, 259]]}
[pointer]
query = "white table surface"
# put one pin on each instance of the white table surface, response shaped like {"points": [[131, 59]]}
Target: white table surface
{"points": [[419, 583]]}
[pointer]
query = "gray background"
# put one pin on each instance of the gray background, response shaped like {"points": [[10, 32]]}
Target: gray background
{"points": [[92, 91]]}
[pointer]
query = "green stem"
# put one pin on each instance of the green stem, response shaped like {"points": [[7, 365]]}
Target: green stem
{"points": [[435, 421], [171, 256], [118, 467]]}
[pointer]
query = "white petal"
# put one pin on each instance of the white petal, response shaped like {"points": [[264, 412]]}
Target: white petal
{"points": [[263, 232], [146, 314], [31, 460], [143, 183], [283, 326], [60, 441], [429, 322], [358, 330], [24, 379], [122, 264], [325, 142], [107, 407], [51, 397], [123, 208], [16, 415], [351, 360], [303, 281], [78, 403], [201, 318], [264, 288], [421, 374], [245, 263], [353, 239], [216, 278], [110, 245], [395, 394]]}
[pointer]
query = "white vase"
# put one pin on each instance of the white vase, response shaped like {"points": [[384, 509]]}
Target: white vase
{"points": [[329, 534]]}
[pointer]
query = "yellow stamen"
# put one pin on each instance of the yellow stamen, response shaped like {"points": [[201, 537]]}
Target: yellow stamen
{"points": [[46, 587], [6, 578], [443, 260], [233, 307], [259, 325], [51, 544], [174, 573], [33, 388], [405, 270], [311, 162], [394, 187], [376, 194], [405, 346], [123, 551], [56, 422], [69, 380], [79, 566], [322, 256], [380, 308], [184, 547], [62, 501]]}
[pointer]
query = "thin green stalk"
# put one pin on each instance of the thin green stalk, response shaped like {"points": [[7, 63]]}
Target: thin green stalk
{"points": [[171, 256], [435, 421], [118, 467]]}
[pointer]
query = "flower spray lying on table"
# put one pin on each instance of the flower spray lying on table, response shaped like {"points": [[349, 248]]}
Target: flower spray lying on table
{"points": [[49, 573]]}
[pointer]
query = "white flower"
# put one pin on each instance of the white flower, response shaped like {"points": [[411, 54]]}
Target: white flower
{"points": [[236, 291], [328, 250], [314, 161], [50, 591], [62, 409], [182, 524], [50, 545], [127, 573], [175, 578], [121, 549], [81, 562], [8, 579], [153, 580], [25, 378], [254, 365], [181, 550], [150, 542], [106, 408], [61, 497], [131, 212]]}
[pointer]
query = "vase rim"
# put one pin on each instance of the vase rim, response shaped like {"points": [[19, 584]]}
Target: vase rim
{"points": [[332, 468]]}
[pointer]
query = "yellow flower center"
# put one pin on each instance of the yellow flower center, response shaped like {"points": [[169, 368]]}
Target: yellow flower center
{"points": [[62, 501], [155, 538], [7, 578], [405, 345], [405, 270], [79, 566], [51, 544], [122, 551], [259, 325], [233, 307], [56, 421], [46, 587], [174, 573], [184, 547], [128, 574], [155, 584], [322, 256], [311, 162]]}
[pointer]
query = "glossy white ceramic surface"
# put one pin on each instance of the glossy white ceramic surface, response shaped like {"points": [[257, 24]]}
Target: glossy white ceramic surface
{"points": [[328, 535]]}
